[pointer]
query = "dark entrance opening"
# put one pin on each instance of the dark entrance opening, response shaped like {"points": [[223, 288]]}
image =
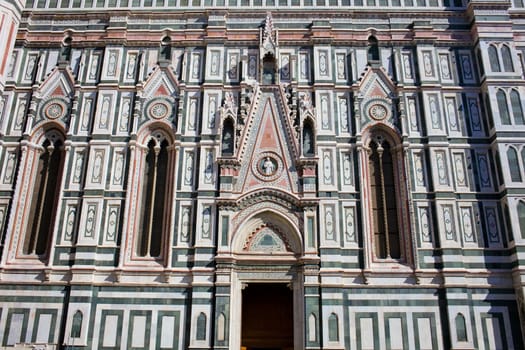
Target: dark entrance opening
{"points": [[267, 317]]}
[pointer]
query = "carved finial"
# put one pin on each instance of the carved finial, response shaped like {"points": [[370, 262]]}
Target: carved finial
{"points": [[268, 28]]}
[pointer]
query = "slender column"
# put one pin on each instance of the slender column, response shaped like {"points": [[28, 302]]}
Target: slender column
{"points": [[152, 201], [380, 150]]}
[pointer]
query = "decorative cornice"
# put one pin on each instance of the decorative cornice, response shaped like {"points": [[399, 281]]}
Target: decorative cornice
{"points": [[268, 195]]}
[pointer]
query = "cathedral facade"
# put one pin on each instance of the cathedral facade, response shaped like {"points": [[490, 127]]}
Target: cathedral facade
{"points": [[262, 174]]}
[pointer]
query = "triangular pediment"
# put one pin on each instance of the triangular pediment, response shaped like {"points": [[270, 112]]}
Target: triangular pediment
{"points": [[375, 83], [162, 82], [376, 94], [268, 149], [58, 84]]}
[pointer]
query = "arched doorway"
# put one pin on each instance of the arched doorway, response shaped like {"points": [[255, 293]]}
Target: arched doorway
{"points": [[267, 284]]}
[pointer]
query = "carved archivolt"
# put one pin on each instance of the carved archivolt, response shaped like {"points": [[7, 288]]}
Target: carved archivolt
{"points": [[266, 228]]}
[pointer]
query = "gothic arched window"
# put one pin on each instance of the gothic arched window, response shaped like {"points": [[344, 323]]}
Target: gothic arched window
{"points": [[201, 327], [521, 217], [308, 139], [46, 191], [373, 49], [517, 111], [149, 243], [461, 328], [150, 190], [506, 57], [503, 107], [76, 327], [383, 181], [514, 167], [333, 328], [227, 137], [494, 59]]}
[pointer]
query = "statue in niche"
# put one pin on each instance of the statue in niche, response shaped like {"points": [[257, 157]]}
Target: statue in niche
{"points": [[269, 69], [373, 49], [227, 138], [308, 144], [268, 166], [165, 49], [65, 51]]}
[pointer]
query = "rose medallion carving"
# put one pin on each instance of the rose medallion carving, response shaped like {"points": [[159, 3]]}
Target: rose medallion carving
{"points": [[377, 111], [159, 109], [54, 109]]}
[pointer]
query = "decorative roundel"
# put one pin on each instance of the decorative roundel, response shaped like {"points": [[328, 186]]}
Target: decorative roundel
{"points": [[268, 166], [377, 111], [54, 109], [159, 109]]}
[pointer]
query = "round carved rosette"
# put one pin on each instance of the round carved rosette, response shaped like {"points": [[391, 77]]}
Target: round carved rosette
{"points": [[377, 112], [159, 109], [54, 109]]}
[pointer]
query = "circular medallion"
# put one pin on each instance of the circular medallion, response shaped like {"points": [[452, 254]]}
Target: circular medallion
{"points": [[54, 109], [159, 110], [268, 166], [378, 111]]}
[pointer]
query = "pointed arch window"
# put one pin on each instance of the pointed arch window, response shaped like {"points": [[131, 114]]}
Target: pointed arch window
{"points": [[46, 191], [514, 167], [503, 107], [494, 59], [461, 328], [506, 57], [153, 214], [521, 217], [333, 328], [517, 111], [76, 327], [383, 180], [509, 101], [201, 327]]}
